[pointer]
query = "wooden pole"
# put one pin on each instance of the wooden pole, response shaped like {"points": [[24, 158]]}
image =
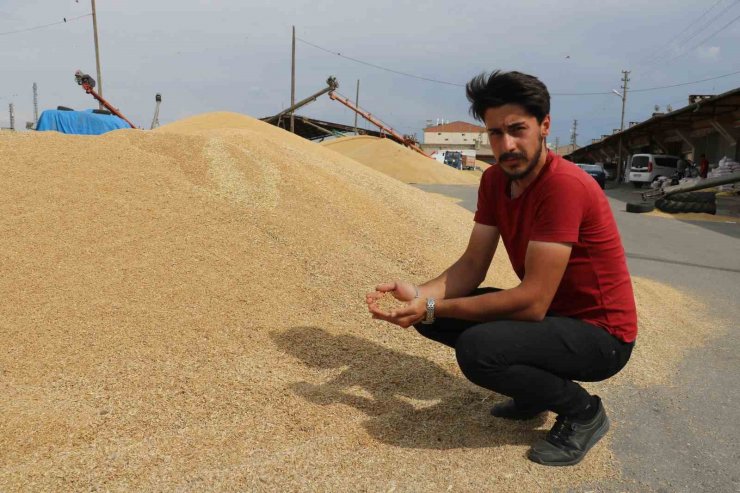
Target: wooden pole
{"points": [[97, 52], [292, 84]]}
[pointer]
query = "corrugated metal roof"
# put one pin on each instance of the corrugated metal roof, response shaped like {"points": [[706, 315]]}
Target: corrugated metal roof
{"points": [[706, 108]]}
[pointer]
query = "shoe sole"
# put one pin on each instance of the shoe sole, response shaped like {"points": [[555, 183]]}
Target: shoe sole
{"points": [[603, 429]]}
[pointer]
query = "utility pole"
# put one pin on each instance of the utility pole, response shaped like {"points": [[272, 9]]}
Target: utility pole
{"points": [[574, 136], [35, 105], [625, 80], [97, 53], [292, 84], [557, 144], [11, 108], [357, 102]]}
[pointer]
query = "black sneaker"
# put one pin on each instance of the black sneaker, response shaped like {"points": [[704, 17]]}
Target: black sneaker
{"points": [[569, 440], [509, 410]]}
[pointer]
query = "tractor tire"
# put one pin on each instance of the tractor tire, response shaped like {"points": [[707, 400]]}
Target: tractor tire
{"points": [[638, 207], [676, 207], [707, 197], [637, 184]]}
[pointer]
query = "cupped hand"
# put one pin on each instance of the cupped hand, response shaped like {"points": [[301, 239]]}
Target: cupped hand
{"points": [[412, 312], [401, 290]]}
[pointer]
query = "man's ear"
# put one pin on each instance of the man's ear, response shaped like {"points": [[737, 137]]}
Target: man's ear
{"points": [[545, 126]]}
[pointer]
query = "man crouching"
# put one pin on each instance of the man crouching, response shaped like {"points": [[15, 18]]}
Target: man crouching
{"points": [[573, 315]]}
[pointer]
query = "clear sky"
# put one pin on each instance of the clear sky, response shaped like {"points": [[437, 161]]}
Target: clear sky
{"points": [[208, 55]]}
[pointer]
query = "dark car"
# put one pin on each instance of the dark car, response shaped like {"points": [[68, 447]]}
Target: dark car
{"points": [[596, 171]]}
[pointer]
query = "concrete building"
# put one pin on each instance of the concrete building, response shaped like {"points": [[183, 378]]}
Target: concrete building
{"points": [[458, 136]]}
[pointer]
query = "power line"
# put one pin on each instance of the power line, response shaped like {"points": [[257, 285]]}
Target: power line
{"points": [[656, 54], [380, 67], [705, 39], [654, 68], [65, 20], [552, 93], [686, 83], [701, 29]]}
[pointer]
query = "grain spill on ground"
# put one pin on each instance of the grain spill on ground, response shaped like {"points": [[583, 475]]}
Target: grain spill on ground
{"points": [[395, 160], [693, 216], [184, 309]]}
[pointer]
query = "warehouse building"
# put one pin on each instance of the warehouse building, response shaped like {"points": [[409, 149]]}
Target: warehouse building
{"points": [[709, 125]]}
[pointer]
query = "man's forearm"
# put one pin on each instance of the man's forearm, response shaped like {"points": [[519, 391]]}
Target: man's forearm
{"points": [[512, 304], [459, 280]]}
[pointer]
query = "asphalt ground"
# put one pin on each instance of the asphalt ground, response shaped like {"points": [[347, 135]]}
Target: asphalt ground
{"points": [[681, 437]]}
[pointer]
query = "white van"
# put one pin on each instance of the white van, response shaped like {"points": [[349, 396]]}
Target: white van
{"points": [[644, 168]]}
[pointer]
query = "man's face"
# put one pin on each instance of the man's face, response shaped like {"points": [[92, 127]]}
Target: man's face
{"points": [[516, 138]]}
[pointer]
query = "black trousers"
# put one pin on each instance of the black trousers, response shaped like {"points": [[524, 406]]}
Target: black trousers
{"points": [[535, 363]]}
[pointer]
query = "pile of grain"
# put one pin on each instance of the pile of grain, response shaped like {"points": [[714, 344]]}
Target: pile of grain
{"points": [[398, 161], [184, 309]]}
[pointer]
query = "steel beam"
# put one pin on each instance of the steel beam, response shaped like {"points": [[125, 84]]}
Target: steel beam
{"points": [[683, 137], [724, 131]]}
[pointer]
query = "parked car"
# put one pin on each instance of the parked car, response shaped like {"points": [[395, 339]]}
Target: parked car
{"points": [[609, 173], [645, 168], [596, 171]]}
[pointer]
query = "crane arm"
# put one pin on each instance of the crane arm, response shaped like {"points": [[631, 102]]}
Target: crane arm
{"points": [[367, 116], [88, 83], [331, 85]]}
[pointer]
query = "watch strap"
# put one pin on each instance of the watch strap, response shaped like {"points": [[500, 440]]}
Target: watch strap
{"points": [[429, 319]]}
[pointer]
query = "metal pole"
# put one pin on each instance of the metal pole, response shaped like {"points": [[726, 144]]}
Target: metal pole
{"points": [[620, 166], [357, 102], [292, 85], [11, 108], [97, 52], [574, 136]]}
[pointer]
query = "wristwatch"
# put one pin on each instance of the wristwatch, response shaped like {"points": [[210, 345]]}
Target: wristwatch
{"points": [[429, 319]]}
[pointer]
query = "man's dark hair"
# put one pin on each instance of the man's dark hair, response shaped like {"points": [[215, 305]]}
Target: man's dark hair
{"points": [[499, 88]]}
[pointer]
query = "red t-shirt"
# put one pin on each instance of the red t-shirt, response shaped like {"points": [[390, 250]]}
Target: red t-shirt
{"points": [[566, 205]]}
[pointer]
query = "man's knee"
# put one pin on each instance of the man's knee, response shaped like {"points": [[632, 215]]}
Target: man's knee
{"points": [[478, 354]]}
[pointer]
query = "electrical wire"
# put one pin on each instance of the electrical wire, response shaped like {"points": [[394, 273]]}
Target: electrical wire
{"points": [[654, 67], [681, 46], [685, 83], [705, 39], [380, 67], [46, 25], [406, 74], [657, 54]]}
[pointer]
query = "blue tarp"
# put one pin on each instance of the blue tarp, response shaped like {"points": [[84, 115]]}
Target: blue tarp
{"points": [[79, 122]]}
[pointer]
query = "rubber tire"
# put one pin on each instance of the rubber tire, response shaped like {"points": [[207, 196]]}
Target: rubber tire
{"points": [[101, 112], [639, 207], [637, 184], [64, 108], [675, 207], [707, 197]]}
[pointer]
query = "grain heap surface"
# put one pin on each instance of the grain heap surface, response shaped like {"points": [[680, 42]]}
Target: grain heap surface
{"points": [[183, 310], [401, 163]]}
